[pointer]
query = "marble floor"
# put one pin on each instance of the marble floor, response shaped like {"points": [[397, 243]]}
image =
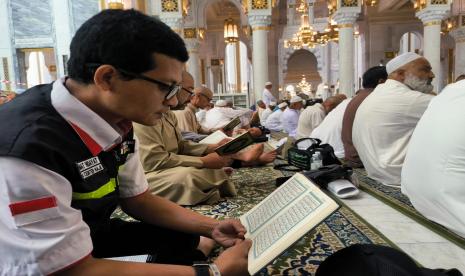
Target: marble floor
{"points": [[425, 246]]}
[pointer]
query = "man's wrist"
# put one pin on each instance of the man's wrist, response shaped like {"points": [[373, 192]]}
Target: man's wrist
{"points": [[206, 269]]}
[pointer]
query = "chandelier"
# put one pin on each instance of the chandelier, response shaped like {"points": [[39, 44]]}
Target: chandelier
{"points": [[306, 36], [304, 86], [115, 4], [230, 31], [331, 33]]}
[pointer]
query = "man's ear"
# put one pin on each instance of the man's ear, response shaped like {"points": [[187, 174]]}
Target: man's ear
{"points": [[105, 76]]}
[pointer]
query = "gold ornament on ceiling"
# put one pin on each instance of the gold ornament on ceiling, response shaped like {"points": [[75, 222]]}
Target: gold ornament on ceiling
{"points": [[259, 4], [190, 33], [439, 2], [349, 3], [169, 6]]}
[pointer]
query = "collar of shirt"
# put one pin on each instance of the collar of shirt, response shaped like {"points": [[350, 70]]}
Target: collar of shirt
{"points": [[392, 84], [95, 132], [192, 108]]}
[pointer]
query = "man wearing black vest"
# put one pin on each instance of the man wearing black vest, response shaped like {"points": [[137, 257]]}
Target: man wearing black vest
{"points": [[68, 159]]}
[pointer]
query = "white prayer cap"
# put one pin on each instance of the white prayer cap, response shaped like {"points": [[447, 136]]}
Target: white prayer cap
{"points": [[221, 103], [282, 105], [268, 83], [296, 99], [400, 61], [273, 103]]}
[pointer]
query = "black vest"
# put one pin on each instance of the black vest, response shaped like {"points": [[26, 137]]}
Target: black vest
{"points": [[32, 130]]}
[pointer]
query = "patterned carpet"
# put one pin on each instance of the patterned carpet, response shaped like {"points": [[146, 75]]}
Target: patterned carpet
{"points": [[341, 229], [394, 198]]}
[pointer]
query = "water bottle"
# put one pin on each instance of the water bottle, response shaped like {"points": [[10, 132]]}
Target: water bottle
{"points": [[316, 161]]}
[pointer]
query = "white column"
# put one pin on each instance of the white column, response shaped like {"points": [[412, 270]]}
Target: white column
{"points": [[6, 49], [459, 36], [260, 27], [193, 64], [346, 51], [432, 41], [62, 33]]}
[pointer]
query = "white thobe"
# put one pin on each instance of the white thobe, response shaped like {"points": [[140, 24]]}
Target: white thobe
{"points": [[268, 97], [201, 116], [264, 116], [329, 131], [273, 122], [311, 117], [289, 121], [433, 175], [383, 125], [218, 117]]}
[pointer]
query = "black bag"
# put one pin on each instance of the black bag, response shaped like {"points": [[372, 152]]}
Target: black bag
{"points": [[326, 174], [302, 158]]}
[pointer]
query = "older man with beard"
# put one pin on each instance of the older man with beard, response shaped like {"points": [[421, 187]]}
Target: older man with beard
{"points": [[386, 119]]}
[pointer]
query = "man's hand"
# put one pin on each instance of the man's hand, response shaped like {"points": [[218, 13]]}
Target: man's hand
{"points": [[255, 132], [228, 232], [228, 133], [215, 161], [233, 261]]}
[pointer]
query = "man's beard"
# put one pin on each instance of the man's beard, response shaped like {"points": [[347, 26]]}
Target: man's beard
{"points": [[417, 84]]}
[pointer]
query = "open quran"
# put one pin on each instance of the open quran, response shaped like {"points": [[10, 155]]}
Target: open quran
{"points": [[283, 217]]}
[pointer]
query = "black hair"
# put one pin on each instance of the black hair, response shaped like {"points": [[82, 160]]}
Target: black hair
{"points": [[126, 39], [373, 75]]}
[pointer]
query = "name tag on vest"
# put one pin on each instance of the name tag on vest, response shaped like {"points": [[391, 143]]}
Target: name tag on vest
{"points": [[89, 167]]}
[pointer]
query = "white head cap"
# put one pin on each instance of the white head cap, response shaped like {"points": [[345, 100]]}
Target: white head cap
{"points": [[221, 103], [268, 83], [272, 103], [296, 99], [282, 105], [400, 61]]}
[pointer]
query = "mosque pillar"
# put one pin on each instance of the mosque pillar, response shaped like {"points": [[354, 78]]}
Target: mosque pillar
{"points": [[459, 36], [7, 73], [432, 18], [193, 64], [62, 23], [260, 27], [345, 21]]}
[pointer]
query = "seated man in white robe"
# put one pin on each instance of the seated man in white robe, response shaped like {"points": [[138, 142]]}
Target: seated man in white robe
{"points": [[221, 115], [385, 121], [329, 131], [290, 117], [267, 112], [273, 121], [312, 116], [433, 175]]}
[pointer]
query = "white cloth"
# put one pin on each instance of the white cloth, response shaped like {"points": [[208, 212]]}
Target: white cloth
{"points": [[433, 175], [264, 116], [296, 99], [289, 121], [383, 125], [200, 115], [218, 117], [47, 240], [309, 119], [268, 97], [329, 131], [400, 61], [273, 122]]}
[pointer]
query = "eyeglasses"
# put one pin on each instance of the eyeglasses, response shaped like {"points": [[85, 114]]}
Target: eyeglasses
{"points": [[206, 97], [170, 89], [188, 91]]}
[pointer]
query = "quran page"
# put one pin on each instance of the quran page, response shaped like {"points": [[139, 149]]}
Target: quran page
{"points": [[214, 138], [284, 217]]}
